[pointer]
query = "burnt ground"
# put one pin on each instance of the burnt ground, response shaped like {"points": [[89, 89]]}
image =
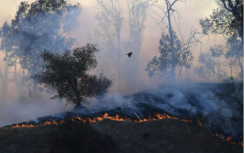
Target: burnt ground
{"points": [[164, 136], [167, 135]]}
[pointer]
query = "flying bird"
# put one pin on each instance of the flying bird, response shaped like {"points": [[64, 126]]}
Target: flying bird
{"points": [[129, 54]]}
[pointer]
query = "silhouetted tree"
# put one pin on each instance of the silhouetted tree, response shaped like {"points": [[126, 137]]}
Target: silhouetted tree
{"points": [[210, 65], [217, 52], [229, 95], [228, 20], [165, 62], [67, 74], [166, 22], [235, 49], [42, 25], [207, 67]]}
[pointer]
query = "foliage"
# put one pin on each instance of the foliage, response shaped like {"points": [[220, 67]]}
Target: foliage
{"points": [[164, 62], [229, 95], [43, 24], [67, 74], [39, 26], [210, 65], [227, 19]]}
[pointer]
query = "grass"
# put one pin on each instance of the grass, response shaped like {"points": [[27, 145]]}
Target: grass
{"points": [[64, 138], [167, 135]]}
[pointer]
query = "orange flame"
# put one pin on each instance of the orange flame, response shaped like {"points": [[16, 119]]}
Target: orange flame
{"points": [[199, 123], [158, 116]]}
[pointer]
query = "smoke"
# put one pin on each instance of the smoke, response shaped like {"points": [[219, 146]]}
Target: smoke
{"points": [[12, 113], [176, 99], [189, 97]]}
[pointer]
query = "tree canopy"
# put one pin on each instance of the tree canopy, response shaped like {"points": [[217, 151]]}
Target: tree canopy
{"points": [[68, 74], [227, 19], [165, 62], [42, 25]]}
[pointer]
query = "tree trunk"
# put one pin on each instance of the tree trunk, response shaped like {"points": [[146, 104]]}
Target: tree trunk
{"points": [[240, 64], [75, 90], [16, 79], [187, 74], [5, 80], [172, 48], [231, 71], [119, 59]]}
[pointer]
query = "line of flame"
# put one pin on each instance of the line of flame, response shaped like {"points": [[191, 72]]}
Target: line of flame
{"points": [[117, 118]]}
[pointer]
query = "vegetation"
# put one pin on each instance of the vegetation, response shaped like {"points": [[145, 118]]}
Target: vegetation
{"points": [[165, 63], [229, 96], [36, 27], [68, 137], [68, 76], [112, 136], [227, 20]]}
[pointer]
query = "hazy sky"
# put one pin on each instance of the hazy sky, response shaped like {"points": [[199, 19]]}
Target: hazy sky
{"points": [[191, 12]]}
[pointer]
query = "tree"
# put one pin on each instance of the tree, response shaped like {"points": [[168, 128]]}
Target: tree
{"points": [[165, 63], [235, 49], [10, 60], [207, 67], [210, 65], [110, 24], [67, 74], [228, 20], [137, 11], [103, 84], [169, 14], [229, 95], [216, 52], [42, 25]]}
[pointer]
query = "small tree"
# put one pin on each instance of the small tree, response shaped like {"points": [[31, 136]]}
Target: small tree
{"points": [[67, 74], [229, 96], [165, 63]]}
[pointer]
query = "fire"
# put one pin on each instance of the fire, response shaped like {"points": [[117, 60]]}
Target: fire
{"points": [[23, 125], [199, 123], [228, 139], [158, 116]]}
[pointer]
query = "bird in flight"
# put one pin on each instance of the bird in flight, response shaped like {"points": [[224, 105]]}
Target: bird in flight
{"points": [[129, 54]]}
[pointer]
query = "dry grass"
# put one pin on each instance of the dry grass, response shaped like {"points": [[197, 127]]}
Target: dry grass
{"points": [[163, 136], [167, 135], [65, 138]]}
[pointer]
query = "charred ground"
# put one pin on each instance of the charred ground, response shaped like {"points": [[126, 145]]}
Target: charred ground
{"points": [[165, 135]]}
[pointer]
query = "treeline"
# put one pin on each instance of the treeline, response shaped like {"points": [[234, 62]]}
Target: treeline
{"points": [[37, 40]]}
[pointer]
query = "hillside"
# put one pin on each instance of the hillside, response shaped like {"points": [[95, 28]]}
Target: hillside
{"points": [[167, 135]]}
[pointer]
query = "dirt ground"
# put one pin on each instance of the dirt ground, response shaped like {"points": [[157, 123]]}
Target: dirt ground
{"points": [[107, 136], [164, 136]]}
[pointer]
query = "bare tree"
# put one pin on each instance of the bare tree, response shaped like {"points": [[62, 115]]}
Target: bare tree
{"points": [[137, 11], [109, 34], [167, 25], [216, 52]]}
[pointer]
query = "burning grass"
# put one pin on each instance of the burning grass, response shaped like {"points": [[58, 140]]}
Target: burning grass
{"points": [[69, 137], [157, 116], [171, 136], [106, 134]]}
